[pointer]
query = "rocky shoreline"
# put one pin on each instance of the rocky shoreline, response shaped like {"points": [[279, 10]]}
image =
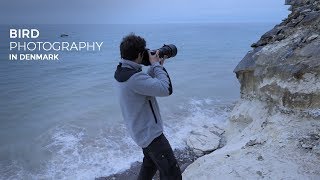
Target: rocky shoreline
{"points": [[201, 141], [184, 157], [274, 129]]}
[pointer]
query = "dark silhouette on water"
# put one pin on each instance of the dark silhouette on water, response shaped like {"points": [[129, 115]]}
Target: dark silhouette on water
{"points": [[64, 35]]}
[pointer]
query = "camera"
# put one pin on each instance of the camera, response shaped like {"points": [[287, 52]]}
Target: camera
{"points": [[169, 50]]}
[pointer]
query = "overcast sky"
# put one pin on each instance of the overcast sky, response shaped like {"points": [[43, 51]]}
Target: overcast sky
{"points": [[140, 11]]}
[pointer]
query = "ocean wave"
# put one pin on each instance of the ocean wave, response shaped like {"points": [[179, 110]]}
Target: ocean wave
{"points": [[75, 154]]}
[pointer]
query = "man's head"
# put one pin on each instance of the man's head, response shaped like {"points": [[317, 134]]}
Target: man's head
{"points": [[132, 48]]}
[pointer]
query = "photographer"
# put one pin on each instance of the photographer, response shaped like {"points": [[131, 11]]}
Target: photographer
{"points": [[140, 110]]}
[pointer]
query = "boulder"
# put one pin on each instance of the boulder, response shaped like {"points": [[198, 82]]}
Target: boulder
{"points": [[202, 141]]}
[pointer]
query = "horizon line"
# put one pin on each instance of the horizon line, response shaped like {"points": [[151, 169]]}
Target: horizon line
{"points": [[209, 22]]}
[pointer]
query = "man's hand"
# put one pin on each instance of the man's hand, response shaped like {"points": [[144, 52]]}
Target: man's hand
{"points": [[155, 58], [162, 59]]}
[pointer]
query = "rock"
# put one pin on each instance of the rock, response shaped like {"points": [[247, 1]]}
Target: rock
{"points": [[198, 152], [294, 2], [248, 62], [203, 141], [310, 50], [272, 33], [184, 166], [260, 158], [310, 141], [310, 18], [312, 37], [259, 173], [306, 11], [274, 129], [316, 149], [296, 21], [284, 54], [216, 130], [254, 142]]}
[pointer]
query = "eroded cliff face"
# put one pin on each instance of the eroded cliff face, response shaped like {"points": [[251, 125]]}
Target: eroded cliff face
{"points": [[274, 130], [283, 68]]}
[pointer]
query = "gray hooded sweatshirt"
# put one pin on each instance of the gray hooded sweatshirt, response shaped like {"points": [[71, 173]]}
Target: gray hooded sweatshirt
{"points": [[137, 92]]}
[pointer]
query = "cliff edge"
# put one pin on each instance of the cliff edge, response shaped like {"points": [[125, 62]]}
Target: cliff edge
{"points": [[274, 129]]}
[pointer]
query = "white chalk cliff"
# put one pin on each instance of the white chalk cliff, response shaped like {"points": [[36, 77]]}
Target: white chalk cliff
{"points": [[274, 129]]}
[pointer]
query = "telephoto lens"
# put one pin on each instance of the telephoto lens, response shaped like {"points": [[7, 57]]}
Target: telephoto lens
{"points": [[169, 50]]}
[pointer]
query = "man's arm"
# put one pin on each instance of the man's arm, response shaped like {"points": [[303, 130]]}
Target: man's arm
{"points": [[144, 84], [150, 72]]}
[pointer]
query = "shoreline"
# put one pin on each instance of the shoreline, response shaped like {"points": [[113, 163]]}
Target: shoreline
{"points": [[201, 141], [184, 157]]}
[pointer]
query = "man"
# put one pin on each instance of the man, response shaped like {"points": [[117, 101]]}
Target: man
{"points": [[140, 109]]}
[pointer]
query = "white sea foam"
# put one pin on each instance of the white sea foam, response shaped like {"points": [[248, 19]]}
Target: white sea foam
{"points": [[205, 112], [76, 155], [11, 170]]}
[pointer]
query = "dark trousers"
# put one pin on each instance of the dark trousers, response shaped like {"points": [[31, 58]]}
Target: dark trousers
{"points": [[159, 156]]}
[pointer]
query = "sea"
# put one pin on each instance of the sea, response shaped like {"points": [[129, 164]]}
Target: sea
{"points": [[62, 119]]}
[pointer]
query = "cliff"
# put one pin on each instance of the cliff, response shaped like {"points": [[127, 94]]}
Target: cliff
{"points": [[274, 129]]}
